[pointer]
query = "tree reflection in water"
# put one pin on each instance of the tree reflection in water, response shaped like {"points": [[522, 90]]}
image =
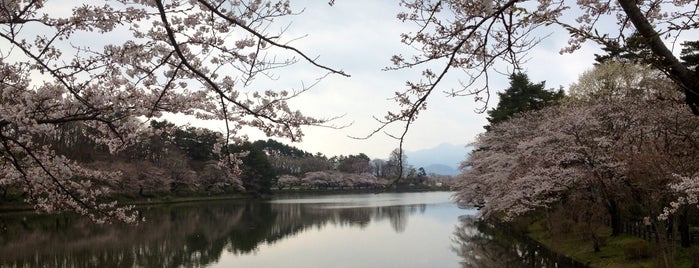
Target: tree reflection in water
{"points": [[484, 245], [188, 235], [480, 246]]}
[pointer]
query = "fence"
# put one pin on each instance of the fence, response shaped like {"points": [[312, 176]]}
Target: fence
{"points": [[648, 233], [639, 229]]}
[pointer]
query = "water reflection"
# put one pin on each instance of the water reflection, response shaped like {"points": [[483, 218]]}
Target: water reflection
{"points": [[493, 244], [387, 230], [178, 235], [478, 245]]}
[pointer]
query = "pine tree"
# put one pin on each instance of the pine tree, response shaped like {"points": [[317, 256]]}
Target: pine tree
{"points": [[521, 96], [690, 54]]}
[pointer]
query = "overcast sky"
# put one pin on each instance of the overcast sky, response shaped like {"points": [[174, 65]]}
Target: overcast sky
{"points": [[359, 37]]}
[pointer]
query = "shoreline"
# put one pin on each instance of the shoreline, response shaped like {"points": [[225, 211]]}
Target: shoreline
{"points": [[15, 206]]}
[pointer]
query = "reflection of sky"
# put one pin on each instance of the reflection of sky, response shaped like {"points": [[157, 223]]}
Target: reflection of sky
{"points": [[447, 213], [424, 242], [372, 230], [371, 200]]}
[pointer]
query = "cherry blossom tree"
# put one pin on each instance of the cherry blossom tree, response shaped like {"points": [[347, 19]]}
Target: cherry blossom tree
{"points": [[215, 179], [632, 146], [472, 38], [617, 80], [335, 179], [515, 168], [197, 57], [288, 181], [539, 159]]}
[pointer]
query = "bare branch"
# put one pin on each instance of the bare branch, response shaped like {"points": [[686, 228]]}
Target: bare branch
{"points": [[269, 40]]}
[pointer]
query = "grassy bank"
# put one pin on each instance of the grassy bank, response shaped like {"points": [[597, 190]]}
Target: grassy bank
{"points": [[623, 251]]}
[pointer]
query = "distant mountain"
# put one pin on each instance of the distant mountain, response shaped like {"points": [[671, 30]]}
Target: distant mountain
{"points": [[441, 170], [443, 159]]}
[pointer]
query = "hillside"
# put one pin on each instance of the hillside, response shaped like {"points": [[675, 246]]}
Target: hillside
{"points": [[443, 159]]}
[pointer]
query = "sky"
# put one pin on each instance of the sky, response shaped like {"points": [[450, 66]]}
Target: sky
{"points": [[359, 37]]}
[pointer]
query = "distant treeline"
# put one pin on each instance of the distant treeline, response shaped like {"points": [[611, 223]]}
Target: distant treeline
{"points": [[184, 160]]}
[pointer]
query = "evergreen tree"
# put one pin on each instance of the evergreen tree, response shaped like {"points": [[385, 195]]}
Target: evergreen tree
{"points": [[690, 54], [633, 50], [257, 172], [354, 164], [521, 96], [273, 147], [197, 143]]}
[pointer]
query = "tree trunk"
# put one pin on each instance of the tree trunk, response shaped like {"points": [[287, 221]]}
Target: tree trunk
{"points": [[173, 187], [594, 237], [614, 217], [687, 79], [683, 229]]}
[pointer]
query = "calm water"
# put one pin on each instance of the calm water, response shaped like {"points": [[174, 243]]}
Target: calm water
{"points": [[358, 230]]}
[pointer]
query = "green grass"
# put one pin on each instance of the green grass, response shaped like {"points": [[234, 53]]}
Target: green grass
{"points": [[612, 251]]}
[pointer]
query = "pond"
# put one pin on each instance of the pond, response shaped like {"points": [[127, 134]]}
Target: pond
{"points": [[357, 230]]}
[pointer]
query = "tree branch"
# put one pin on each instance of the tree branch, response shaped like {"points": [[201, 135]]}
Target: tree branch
{"points": [[687, 79], [267, 39]]}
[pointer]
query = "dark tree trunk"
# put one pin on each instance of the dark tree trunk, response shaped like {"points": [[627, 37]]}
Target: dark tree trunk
{"points": [[614, 217], [667, 62], [670, 230], [683, 229], [596, 245]]}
